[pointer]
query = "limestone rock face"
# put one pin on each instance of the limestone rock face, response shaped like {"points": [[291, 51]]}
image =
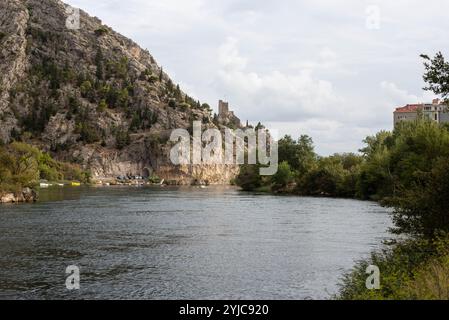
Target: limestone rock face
{"points": [[27, 195], [7, 198], [13, 59], [91, 96]]}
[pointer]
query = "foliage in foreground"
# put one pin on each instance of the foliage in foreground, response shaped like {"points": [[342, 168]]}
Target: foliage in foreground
{"points": [[409, 270]]}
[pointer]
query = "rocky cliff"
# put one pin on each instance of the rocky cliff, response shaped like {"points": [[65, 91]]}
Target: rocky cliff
{"points": [[91, 96]]}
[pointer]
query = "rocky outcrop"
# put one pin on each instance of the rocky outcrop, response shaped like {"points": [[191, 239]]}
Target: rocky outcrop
{"points": [[199, 174], [27, 195], [91, 96], [13, 23]]}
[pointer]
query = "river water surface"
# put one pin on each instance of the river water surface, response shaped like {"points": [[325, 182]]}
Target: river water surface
{"points": [[183, 243]]}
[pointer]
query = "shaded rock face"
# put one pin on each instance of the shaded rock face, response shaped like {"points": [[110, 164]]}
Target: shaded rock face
{"points": [[91, 96], [13, 23], [27, 195]]}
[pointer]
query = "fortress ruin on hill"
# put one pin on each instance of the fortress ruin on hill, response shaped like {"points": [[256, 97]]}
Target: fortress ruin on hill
{"points": [[225, 116]]}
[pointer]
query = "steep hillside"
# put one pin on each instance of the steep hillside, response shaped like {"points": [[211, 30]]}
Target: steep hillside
{"points": [[91, 96]]}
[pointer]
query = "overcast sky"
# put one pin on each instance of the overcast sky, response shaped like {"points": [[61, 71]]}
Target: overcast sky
{"points": [[332, 69]]}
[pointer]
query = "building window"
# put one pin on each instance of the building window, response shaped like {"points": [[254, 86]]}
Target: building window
{"points": [[436, 117]]}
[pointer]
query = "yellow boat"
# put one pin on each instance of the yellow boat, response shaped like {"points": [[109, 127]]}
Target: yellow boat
{"points": [[76, 184]]}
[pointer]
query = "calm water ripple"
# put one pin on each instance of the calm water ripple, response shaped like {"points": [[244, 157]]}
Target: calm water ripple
{"points": [[183, 243]]}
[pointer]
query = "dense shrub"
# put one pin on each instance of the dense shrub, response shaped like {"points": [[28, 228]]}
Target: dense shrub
{"points": [[18, 166], [283, 176], [411, 269], [172, 103], [102, 106], [88, 133], [101, 31], [249, 178], [22, 165], [122, 138]]}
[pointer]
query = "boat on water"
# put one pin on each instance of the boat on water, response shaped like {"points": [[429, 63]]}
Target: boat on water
{"points": [[44, 185], [76, 184]]}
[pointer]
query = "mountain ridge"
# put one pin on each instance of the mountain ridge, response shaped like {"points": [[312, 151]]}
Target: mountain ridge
{"points": [[92, 96]]}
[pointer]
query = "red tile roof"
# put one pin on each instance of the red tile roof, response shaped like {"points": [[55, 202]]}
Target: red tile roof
{"points": [[409, 108]]}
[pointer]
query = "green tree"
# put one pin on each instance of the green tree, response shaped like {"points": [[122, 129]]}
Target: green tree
{"points": [[18, 166], [249, 178], [102, 106], [376, 180], [86, 89], [326, 179], [422, 208], [287, 149], [123, 98], [300, 154], [283, 176], [206, 106], [89, 133], [306, 154], [437, 74], [99, 62], [172, 103], [122, 138]]}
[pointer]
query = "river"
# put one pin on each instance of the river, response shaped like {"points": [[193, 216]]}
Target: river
{"points": [[183, 243]]}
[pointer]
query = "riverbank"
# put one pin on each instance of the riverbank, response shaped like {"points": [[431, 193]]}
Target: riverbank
{"points": [[26, 195], [23, 168], [409, 270]]}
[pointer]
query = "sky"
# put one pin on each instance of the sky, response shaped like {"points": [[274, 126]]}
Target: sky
{"points": [[332, 69]]}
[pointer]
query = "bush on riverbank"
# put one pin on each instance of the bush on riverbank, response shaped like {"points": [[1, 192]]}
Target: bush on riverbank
{"points": [[412, 269], [22, 165], [301, 171], [18, 167], [390, 163]]}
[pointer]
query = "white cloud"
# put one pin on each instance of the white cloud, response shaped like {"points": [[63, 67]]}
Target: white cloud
{"points": [[280, 95], [401, 97], [229, 57]]}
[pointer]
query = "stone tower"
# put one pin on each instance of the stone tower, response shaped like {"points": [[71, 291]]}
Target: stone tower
{"points": [[223, 108]]}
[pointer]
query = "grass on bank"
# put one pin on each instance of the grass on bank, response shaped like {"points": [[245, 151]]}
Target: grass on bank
{"points": [[409, 270]]}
